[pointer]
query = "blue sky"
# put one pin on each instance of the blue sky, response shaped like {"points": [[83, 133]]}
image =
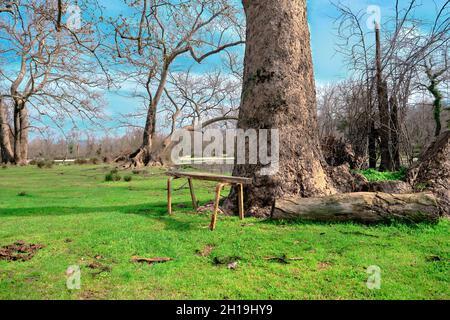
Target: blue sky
{"points": [[330, 66]]}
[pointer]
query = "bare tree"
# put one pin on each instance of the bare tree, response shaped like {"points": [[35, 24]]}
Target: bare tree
{"points": [[50, 73], [436, 74], [150, 40], [194, 98], [342, 110], [383, 108], [398, 55]]}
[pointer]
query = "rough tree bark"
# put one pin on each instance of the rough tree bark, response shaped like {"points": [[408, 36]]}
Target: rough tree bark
{"points": [[372, 145], [383, 106], [24, 128], [279, 93], [143, 156], [6, 151], [437, 105], [364, 207], [21, 128], [432, 171]]}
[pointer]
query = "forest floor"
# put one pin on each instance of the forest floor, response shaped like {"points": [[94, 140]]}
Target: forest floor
{"points": [[80, 219]]}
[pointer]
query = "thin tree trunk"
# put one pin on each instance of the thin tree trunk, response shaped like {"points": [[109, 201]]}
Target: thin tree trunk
{"points": [[372, 132], [150, 126], [437, 106], [279, 93], [383, 105], [21, 129], [24, 128], [16, 120], [395, 134], [7, 155], [372, 145]]}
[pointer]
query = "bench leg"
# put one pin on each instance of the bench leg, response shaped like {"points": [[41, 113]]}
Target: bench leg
{"points": [[219, 188], [169, 195], [194, 199], [241, 201]]}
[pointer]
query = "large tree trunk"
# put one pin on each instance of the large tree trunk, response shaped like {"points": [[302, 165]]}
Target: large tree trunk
{"points": [[143, 156], [364, 207], [279, 93], [383, 106], [6, 151]]}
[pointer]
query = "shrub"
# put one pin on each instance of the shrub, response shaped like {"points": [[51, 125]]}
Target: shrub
{"points": [[374, 175], [22, 194], [113, 176], [44, 164], [81, 161], [128, 178]]}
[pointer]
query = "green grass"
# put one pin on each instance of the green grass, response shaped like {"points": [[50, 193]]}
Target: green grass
{"points": [[78, 216], [374, 175]]}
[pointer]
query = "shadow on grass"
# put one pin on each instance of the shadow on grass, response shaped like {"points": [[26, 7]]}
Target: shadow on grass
{"points": [[156, 211], [393, 223]]}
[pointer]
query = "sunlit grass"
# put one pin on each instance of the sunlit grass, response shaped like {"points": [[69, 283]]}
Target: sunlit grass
{"points": [[374, 175], [79, 216]]}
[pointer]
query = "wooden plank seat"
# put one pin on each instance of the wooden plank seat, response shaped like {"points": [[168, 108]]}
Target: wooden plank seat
{"points": [[221, 180]]}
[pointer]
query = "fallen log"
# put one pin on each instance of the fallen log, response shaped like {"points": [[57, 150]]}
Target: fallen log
{"points": [[362, 207]]}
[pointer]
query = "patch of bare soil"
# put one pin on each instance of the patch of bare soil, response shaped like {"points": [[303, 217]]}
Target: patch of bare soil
{"points": [[324, 265], [208, 208], [19, 251], [206, 251], [98, 268]]}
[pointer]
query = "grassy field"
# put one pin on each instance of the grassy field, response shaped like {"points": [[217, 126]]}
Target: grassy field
{"points": [[83, 220]]}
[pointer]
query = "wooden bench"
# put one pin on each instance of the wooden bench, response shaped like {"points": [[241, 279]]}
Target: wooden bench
{"points": [[222, 181]]}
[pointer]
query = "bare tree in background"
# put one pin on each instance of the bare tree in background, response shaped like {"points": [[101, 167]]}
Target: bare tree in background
{"points": [[383, 107], [391, 64], [150, 40], [342, 110], [51, 70], [193, 98], [437, 71]]}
